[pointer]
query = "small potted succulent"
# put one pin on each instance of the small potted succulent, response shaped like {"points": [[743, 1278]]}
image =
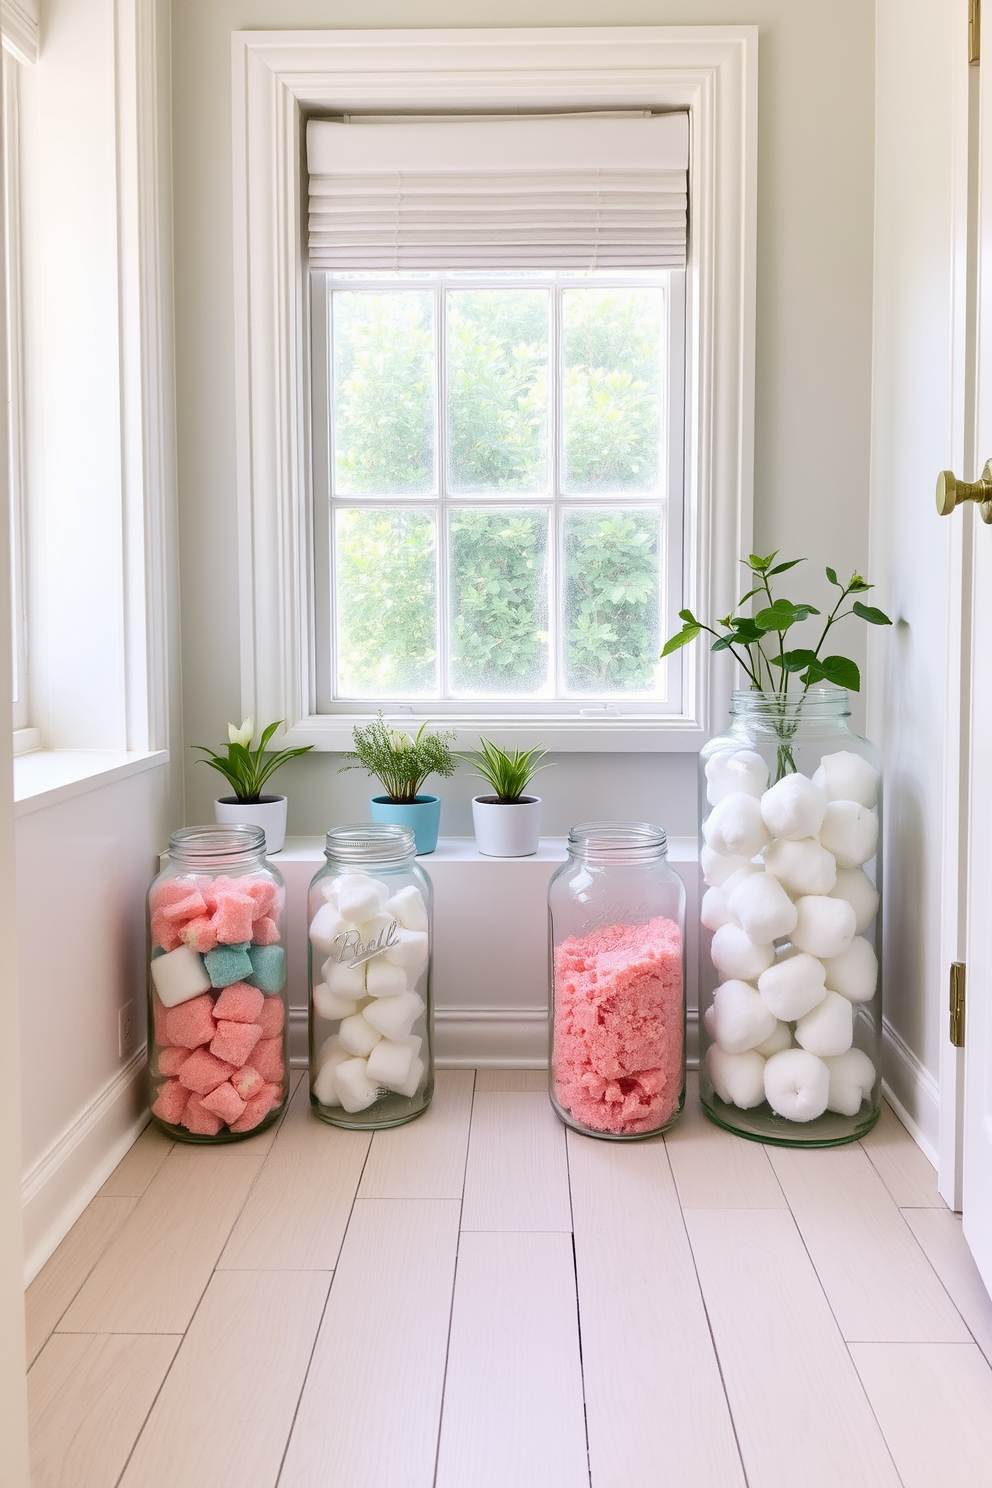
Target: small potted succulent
{"points": [[507, 823], [401, 765], [247, 771]]}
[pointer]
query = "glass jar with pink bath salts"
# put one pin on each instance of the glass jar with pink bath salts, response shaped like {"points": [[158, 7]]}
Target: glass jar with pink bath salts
{"points": [[617, 1064]]}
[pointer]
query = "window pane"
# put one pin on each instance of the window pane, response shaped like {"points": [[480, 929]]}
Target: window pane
{"points": [[386, 602], [383, 393], [613, 600], [499, 602], [613, 390], [497, 390]]}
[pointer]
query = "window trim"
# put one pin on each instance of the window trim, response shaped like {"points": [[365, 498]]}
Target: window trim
{"points": [[279, 77]]}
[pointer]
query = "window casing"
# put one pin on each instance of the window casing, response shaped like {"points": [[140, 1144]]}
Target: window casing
{"points": [[15, 392]]}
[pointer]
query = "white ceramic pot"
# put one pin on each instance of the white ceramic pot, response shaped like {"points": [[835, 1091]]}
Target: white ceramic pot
{"points": [[506, 829], [269, 813]]}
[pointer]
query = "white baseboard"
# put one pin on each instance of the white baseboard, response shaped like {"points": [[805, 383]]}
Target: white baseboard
{"points": [[911, 1090], [57, 1189]]}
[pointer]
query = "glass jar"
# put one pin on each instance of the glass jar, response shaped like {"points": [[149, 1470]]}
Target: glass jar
{"points": [[371, 941], [218, 1057], [617, 1064], [789, 987]]}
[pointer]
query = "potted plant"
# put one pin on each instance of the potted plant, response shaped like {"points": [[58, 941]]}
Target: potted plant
{"points": [[401, 765], [507, 823], [247, 771]]}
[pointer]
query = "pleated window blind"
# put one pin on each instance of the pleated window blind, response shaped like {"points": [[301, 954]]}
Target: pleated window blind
{"points": [[565, 192]]}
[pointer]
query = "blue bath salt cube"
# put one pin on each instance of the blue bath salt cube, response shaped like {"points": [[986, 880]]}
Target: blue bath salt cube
{"points": [[268, 968], [228, 963], [156, 952]]}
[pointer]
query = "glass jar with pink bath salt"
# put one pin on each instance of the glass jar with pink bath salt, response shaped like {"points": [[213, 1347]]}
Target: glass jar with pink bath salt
{"points": [[371, 1033], [617, 1065], [218, 1056]]}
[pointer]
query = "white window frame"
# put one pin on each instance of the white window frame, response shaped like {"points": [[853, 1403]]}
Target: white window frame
{"points": [[278, 78], [25, 737]]}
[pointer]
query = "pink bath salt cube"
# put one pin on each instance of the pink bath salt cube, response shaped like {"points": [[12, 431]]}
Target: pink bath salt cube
{"points": [[267, 1058], [258, 1108], [160, 1014], [192, 1023], [205, 883], [265, 931], [197, 1119], [225, 1102], [171, 1061], [203, 1072], [190, 907], [272, 1017], [233, 1042], [170, 1102], [165, 933], [172, 891], [200, 934], [247, 1082], [233, 919], [239, 1003], [266, 894]]}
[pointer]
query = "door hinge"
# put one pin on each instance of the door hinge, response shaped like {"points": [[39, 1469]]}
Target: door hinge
{"points": [[974, 30], [956, 1029]]}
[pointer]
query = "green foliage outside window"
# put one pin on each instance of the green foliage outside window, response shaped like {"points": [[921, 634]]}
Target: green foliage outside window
{"points": [[611, 588], [386, 602], [499, 612]]}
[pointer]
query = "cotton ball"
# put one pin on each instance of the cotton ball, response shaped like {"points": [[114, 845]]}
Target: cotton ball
{"points": [[793, 807], [847, 777], [824, 926], [734, 954], [409, 908], [850, 832], [829, 1028], [708, 1018], [734, 826], [327, 1003], [740, 1018], [747, 871], [715, 911], [796, 1085], [780, 1038], [737, 770], [718, 867], [330, 1056], [854, 973], [357, 1035], [793, 986], [343, 980], [801, 865], [355, 1090], [738, 1079], [854, 885], [763, 908], [360, 898], [852, 1079]]}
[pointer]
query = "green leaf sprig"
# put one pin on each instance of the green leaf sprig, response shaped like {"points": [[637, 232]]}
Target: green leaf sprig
{"points": [[508, 774], [399, 763], [244, 768]]}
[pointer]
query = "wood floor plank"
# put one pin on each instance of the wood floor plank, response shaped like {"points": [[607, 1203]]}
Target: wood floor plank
{"points": [[513, 1409], [225, 1411], [368, 1417], [879, 1283], [139, 1165], [516, 1178], [933, 1402], [800, 1411], [662, 1417], [88, 1396], [902, 1166], [298, 1211], [150, 1279], [715, 1170], [426, 1158], [512, 1079], [940, 1234], [63, 1274]]}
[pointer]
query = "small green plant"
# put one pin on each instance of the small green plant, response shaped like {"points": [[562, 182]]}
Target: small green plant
{"points": [[244, 768], [508, 774], [399, 763]]}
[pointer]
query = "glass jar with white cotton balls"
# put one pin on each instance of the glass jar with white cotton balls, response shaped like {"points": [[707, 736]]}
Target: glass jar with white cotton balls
{"points": [[789, 984], [371, 927]]}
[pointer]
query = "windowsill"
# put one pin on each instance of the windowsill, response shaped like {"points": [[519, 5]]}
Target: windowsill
{"points": [[464, 850], [559, 733], [46, 776], [26, 740]]}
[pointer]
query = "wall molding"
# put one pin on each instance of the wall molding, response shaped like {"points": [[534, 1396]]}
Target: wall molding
{"points": [[19, 28], [911, 1090]]}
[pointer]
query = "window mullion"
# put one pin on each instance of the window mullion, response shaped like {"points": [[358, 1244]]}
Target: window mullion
{"points": [[556, 568], [441, 446]]}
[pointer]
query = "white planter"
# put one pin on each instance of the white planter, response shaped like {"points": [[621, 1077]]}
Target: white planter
{"points": [[269, 813], [507, 830]]}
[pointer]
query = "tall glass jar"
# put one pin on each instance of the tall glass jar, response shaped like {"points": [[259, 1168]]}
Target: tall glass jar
{"points": [[371, 1029], [218, 1057], [617, 1063], [789, 986]]}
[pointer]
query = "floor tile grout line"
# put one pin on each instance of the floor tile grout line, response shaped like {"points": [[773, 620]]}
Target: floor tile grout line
{"points": [[943, 1285], [97, 1259], [578, 1306], [454, 1283]]}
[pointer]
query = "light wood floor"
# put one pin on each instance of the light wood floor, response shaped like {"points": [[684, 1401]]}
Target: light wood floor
{"points": [[478, 1301]]}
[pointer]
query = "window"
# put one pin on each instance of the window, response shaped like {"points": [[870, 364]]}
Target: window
{"points": [[15, 414]]}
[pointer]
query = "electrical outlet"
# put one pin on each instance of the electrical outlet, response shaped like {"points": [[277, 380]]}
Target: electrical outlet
{"points": [[125, 1029]]}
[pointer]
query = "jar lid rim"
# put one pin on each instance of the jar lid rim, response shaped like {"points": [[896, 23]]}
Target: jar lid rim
{"points": [[370, 842], [618, 839], [218, 840]]}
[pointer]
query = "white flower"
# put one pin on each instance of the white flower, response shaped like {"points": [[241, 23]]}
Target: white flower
{"points": [[241, 735], [400, 742]]}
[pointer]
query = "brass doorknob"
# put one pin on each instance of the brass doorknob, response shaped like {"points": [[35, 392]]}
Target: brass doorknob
{"points": [[951, 492]]}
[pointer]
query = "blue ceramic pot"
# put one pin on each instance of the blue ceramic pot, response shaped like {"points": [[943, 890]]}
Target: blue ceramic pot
{"points": [[423, 815]]}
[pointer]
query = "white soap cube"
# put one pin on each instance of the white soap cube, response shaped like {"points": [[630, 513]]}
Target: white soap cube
{"points": [[763, 908], [735, 770], [735, 954], [854, 885], [356, 1091], [854, 973], [415, 1042], [780, 1038], [409, 950], [738, 1079], [330, 1056], [824, 926], [376, 933], [794, 985], [717, 867], [411, 1085], [735, 827], [829, 1028], [357, 1035], [801, 865], [793, 807], [360, 898], [714, 910], [384, 979], [394, 1017], [409, 908], [328, 892], [179, 975], [847, 777], [389, 1063], [850, 832], [326, 926], [327, 1003], [709, 1020], [852, 1079], [740, 1018], [344, 980], [796, 1085]]}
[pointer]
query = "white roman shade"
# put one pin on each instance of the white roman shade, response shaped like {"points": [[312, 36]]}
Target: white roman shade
{"points": [[568, 192]]}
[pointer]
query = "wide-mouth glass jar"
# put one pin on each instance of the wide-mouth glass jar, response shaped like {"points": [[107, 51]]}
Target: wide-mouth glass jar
{"points": [[371, 942], [218, 1057], [617, 1059], [790, 803]]}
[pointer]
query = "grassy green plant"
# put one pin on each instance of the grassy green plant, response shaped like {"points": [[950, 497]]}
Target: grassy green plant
{"points": [[245, 769], [399, 763], [508, 774]]}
